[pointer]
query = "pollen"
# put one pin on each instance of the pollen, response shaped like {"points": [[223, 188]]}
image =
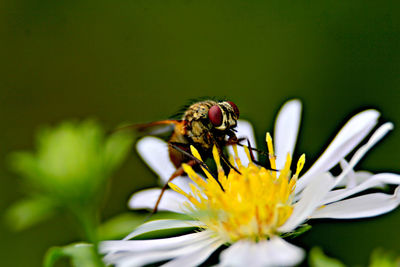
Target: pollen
{"points": [[250, 203]]}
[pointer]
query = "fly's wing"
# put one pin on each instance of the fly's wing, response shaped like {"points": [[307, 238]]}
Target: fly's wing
{"points": [[153, 128]]}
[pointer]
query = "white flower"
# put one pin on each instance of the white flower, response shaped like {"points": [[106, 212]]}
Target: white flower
{"points": [[258, 207]]}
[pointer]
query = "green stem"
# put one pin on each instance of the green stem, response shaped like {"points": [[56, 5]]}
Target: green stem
{"points": [[88, 221], [89, 227]]}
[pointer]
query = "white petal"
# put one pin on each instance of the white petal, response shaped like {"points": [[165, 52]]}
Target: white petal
{"points": [[352, 133], [362, 176], [360, 207], [286, 129], [374, 181], [310, 199], [356, 178], [161, 225], [244, 129], [236, 254], [156, 256], [146, 199], [195, 258], [352, 178], [153, 244], [154, 152], [273, 252], [159, 250], [375, 138]]}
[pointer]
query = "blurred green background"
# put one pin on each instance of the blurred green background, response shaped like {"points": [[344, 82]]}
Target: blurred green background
{"points": [[140, 61]]}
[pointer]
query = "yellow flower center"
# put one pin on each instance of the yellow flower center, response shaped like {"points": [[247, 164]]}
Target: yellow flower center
{"points": [[251, 204]]}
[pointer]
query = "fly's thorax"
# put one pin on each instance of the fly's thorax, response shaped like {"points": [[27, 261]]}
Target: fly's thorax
{"points": [[198, 111], [200, 134], [198, 126]]}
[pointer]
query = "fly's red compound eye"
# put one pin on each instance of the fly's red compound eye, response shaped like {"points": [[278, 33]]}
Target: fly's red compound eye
{"points": [[235, 108], [215, 115]]}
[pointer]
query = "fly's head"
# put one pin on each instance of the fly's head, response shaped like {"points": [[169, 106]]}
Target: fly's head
{"points": [[223, 115]]}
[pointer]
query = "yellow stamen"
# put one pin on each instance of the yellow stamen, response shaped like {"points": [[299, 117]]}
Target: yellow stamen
{"points": [[271, 154], [237, 159], [217, 159], [300, 164], [253, 203], [246, 149], [177, 189], [193, 175], [195, 153]]}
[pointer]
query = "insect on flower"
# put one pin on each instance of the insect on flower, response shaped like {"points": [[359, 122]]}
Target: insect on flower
{"points": [[203, 125], [258, 208]]}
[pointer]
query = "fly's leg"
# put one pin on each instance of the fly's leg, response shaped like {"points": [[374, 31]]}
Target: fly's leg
{"points": [[233, 140], [227, 162], [221, 154], [253, 159], [180, 171], [176, 173], [201, 163]]}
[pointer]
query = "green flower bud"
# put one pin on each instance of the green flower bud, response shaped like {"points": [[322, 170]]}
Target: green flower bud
{"points": [[72, 161]]}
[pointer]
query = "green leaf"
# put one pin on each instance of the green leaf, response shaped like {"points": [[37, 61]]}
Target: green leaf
{"points": [[80, 254], [381, 258], [120, 226], [25, 164], [27, 212], [317, 258]]}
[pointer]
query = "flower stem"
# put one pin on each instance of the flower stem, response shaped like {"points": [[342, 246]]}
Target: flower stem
{"points": [[88, 221]]}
